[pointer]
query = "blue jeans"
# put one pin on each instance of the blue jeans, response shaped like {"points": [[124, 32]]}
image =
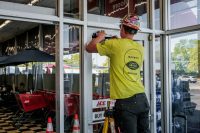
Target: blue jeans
{"points": [[132, 114]]}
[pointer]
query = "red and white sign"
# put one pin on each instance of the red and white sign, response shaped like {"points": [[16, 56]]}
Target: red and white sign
{"points": [[102, 103]]}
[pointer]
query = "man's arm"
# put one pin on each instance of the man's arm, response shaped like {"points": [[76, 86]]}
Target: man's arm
{"points": [[92, 45]]}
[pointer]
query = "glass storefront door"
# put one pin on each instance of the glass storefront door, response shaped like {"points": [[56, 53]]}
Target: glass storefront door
{"points": [[101, 81], [185, 83]]}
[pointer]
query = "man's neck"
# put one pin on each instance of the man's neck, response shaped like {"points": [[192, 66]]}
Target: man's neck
{"points": [[129, 36]]}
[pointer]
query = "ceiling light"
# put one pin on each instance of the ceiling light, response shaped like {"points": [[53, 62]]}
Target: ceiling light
{"points": [[33, 2], [4, 23]]}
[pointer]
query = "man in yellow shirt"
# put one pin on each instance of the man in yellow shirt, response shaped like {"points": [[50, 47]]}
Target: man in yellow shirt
{"points": [[126, 59]]}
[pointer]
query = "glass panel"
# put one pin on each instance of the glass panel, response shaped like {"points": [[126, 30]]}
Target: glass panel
{"points": [[10, 48], [100, 84], [33, 38], [49, 68], [38, 76], [49, 39], [21, 42], [41, 3], [158, 83], [71, 8], [157, 14], [1, 49], [185, 82], [4, 47], [71, 57], [2, 77], [117, 9], [22, 78], [184, 13]]}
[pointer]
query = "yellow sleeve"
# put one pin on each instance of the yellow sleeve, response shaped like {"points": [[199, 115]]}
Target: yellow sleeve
{"points": [[105, 47]]}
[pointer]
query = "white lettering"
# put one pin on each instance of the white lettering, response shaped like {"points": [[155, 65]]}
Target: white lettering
{"points": [[119, 5]]}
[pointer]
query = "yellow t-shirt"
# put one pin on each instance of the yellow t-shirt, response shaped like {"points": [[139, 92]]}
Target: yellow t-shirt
{"points": [[126, 59]]}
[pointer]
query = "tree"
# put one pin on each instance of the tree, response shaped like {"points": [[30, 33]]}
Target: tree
{"points": [[72, 59], [185, 56], [193, 61]]}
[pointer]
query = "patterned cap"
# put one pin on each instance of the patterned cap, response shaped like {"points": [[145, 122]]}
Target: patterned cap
{"points": [[131, 21]]}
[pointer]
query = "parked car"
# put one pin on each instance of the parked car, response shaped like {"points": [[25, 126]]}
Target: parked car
{"points": [[191, 79]]}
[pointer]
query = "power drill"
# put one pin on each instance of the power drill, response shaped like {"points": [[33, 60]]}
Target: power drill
{"points": [[94, 35]]}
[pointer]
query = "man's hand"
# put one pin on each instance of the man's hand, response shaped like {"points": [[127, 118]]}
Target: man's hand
{"points": [[101, 35], [91, 47]]}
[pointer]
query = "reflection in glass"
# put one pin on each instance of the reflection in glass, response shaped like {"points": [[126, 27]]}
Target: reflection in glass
{"points": [[71, 57], [49, 39], [9, 48], [158, 83], [21, 42], [33, 38], [100, 76], [184, 13], [41, 3], [100, 85], [2, 48], [119, 8], [71, 8], [157, 14], [185, 82]]}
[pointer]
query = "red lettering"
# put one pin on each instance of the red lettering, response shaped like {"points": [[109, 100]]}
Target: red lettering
{"points": [[101, 103]]}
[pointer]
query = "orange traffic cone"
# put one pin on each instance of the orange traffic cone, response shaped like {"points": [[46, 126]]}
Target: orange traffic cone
{"points": [[76, 126], [49, 126]]}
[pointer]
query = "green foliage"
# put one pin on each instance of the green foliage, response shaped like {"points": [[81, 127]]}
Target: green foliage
{"points": [[185, 56], [72, 60], [106, 63]]}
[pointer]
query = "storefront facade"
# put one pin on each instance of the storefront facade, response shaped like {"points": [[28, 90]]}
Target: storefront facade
{"points": [[64, 27]]}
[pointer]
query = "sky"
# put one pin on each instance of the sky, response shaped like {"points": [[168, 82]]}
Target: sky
{"points": [[175, 39]]}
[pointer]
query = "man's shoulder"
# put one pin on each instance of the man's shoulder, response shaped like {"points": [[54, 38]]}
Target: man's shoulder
{"points": [[138, 44], [113, 41]]}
